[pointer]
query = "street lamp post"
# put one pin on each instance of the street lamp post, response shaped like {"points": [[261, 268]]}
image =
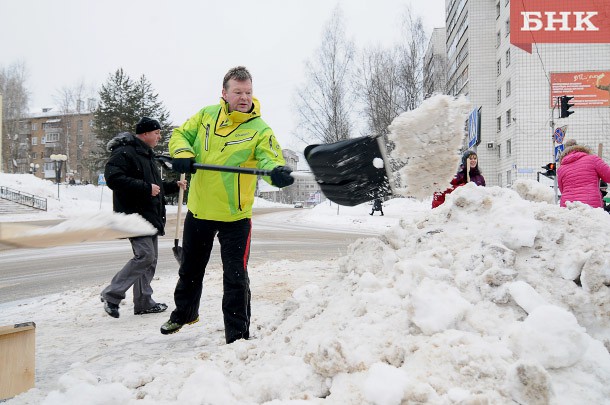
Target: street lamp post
{"points": [[34, 168], [59, 161]]}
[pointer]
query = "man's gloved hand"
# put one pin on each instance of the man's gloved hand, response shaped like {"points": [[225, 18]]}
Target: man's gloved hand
{"points": [[183, 165], [280, 176]]}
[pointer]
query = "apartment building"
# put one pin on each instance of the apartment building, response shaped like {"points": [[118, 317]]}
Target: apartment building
{"points": [[516, 91], [435, 64], [50, 132]]}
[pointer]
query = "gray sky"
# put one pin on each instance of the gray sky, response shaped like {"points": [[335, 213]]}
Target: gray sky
{"points": [[184, 47]]}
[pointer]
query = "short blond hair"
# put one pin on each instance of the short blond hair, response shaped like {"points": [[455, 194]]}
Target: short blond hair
{"points": [[239, 73]]}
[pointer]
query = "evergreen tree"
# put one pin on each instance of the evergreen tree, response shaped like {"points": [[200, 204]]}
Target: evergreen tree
{"points": [[122, 103]]}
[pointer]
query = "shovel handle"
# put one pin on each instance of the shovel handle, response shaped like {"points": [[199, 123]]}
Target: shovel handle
{"points": [[179, 213]]}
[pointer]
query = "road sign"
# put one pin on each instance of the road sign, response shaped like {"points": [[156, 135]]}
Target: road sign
{"points": [[558, 150], [473, 128], [559, 134]]}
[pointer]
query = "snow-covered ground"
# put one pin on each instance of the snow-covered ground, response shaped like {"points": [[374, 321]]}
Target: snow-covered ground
{"points": [[471, 303]]}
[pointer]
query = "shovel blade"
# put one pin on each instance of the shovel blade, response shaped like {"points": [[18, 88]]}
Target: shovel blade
{"points": [[178, 252], [350, 172]]}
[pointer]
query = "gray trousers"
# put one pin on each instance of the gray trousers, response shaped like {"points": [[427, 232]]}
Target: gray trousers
{"points": [[138, 272]]}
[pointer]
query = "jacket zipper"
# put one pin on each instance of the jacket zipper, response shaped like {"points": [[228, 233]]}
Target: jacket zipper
{"points": [[236, 142], [207, 137], [239, 191]]}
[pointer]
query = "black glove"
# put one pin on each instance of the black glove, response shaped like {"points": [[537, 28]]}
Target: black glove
{"points": [[183, 165], [280, 176]]}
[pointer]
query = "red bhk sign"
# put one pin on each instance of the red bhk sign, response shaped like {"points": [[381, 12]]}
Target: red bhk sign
{"points": [[559, 22]]}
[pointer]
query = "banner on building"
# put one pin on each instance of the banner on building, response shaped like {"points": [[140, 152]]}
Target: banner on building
{"points": [[589, 89], [558, 22]]}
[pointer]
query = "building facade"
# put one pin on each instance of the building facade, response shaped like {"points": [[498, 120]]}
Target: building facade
{"points": [[515, 90], [435, 64], [49, 132]]}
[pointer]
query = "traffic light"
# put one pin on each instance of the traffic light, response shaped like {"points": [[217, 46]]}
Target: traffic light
{"points": [[550, 170], [565, 106]]}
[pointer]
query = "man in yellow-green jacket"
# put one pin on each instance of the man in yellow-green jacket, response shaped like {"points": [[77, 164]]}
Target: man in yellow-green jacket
{"points": [[231, 133]]}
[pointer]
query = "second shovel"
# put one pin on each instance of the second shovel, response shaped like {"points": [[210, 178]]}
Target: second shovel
{"points": [[178, 249]]}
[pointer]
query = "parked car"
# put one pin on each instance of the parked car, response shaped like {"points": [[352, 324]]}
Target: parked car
{"points": [[298, 204]]}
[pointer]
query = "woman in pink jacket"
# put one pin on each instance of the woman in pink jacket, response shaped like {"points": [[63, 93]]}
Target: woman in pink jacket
{"points": [[579, 174]]}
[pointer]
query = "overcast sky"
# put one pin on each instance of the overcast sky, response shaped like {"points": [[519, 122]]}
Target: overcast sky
{"points": [[185, 47]]}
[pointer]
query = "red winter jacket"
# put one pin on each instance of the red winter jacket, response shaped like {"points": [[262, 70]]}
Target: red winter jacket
{"points": [[578, 177], [459, 180]]}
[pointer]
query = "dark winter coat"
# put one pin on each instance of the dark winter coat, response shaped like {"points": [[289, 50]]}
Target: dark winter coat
{"points": [[130, 172], [459, 180]]}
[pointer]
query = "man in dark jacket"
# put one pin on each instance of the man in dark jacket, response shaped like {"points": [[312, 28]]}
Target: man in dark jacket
{"points": [[134, 177]]}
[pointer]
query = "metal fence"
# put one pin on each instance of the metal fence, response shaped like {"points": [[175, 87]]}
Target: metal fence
{"points": [[23, 198]]}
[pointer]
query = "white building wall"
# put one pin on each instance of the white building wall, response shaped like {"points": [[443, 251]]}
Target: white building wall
{"points": [[529, 131]]}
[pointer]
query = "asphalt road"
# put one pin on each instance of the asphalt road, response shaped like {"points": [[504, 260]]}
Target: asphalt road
{"points": [[28, 273]]}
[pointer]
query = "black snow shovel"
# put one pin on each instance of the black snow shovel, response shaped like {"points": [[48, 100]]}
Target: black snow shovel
{"points": [[351, 172], [178, 249]]}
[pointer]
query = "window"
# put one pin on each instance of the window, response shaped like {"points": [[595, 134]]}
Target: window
{"points": [[509, 119], [508, 147], [34, 155], [507, 26], [508, 57], [53, 137], [509, 177], [498, 9], [498, 39], [498, 124], [506, 3], [508, 86], [498, 96], [499, 67], [34, 140], [34, 126], [499, 151], [500, 179]]}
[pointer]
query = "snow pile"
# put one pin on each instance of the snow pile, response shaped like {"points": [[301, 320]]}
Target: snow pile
{"points": [[429, 139], [471, 302], [476, 301]]}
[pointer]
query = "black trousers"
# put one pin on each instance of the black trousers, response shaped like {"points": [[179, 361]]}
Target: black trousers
{"points": [[197, 242]]}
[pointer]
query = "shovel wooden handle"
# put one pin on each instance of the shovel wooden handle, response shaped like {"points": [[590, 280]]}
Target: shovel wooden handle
{"points": [[179, 213]]}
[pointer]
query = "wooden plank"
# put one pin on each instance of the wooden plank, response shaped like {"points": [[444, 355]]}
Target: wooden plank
{"points": [[17, 359]]}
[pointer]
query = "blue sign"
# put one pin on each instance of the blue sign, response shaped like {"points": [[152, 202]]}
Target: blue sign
{"points": [[473, 128], [101, 180], [558, 135], [558, 150]]}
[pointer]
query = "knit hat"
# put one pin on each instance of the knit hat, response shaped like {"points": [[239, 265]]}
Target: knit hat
{"points": [[466, 155], [147, 125], [570, 142]]}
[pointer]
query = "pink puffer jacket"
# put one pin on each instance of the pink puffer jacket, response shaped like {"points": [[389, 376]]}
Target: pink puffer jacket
{"points": [[578, 177]]}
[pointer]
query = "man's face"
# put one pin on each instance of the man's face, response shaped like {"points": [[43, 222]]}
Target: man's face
{"points": [[238, 95], [151, 138]]}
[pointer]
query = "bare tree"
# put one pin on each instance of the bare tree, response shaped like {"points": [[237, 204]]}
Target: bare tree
{"points": [[378, 89], [324, 102], [15, 99], [73, 101], [411, 53], [390, 81]]}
